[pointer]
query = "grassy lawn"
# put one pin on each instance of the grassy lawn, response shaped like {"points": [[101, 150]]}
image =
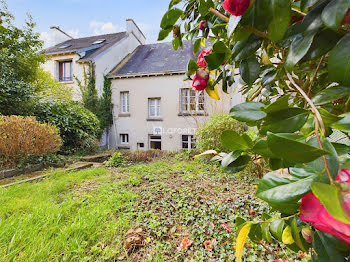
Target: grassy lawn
{"points": [[84, 216]]}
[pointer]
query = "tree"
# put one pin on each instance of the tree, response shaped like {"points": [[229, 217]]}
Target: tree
{"points": [[20, 58], [293, 57], [105, 106]]}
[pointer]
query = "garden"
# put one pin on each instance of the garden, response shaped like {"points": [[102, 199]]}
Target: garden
{"points": [[267, 182]]}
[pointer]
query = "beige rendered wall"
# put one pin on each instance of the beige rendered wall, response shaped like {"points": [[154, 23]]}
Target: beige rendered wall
{"points": [[174, 126], [51, 65]]}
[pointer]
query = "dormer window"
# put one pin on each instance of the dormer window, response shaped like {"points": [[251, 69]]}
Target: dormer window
{"points": [[100, 41]]}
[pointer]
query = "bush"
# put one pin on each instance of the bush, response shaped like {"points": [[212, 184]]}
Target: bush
{"points": [[145, 155], [208, 136], [78, 126], [116, 160], [22, 136]]}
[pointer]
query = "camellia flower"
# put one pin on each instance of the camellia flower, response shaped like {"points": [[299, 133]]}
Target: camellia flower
{"points": [[280, 260], [201, 61], [311, 210], [347, 18], [236, 7], [203, 25], [200, 80]]}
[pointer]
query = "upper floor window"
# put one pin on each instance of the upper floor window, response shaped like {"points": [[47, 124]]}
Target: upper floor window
{"points": [[154, 107], [192, 101], [124, 101], [65, 71]]}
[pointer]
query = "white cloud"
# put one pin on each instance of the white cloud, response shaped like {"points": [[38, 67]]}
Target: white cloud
{"points": [[100, 28]]}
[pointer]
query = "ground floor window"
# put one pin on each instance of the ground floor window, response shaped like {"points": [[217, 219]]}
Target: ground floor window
{"points": [[155, 142], [124, 139], [188, 142]]}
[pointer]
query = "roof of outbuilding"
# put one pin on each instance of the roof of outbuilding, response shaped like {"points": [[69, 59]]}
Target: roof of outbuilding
{"points": [[154, 59], [86, 44]]}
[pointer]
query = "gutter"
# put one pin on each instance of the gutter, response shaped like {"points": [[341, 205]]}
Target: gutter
{"points": [[125, 76]]}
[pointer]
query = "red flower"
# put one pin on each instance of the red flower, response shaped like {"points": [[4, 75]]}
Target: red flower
{"points": [[201, 61], [226, 227], [347, 17], [280, 260], [296, 19], [203, 25], [186, 243], [236, 7], [311, 210], [200, 80]]}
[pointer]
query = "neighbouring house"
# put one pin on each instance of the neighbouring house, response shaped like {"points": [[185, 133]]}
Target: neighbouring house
{"points": [[154, 108], [73, 58]]}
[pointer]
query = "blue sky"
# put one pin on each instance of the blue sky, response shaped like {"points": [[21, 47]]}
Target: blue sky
{"points": [[90, 17]]}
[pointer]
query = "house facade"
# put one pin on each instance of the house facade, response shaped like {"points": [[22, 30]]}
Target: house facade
{"points": [[154, 108], [71, 59]]}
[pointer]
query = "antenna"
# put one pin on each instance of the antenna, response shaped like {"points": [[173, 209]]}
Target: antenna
{"points": [[60, 30]]}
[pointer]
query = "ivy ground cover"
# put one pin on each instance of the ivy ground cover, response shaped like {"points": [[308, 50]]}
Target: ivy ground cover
{"points": [[85, 216]]}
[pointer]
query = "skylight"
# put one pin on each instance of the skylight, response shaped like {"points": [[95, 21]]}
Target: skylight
{"points": [[99, 41], [64, 46]]}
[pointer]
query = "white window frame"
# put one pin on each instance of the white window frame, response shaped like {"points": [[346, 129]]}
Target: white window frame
{"points": [[124, 102], [124, 139], [190, 142], [156, 106], [151, 138], [185, 101]]}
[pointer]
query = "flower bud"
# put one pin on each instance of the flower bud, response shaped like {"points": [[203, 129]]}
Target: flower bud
{"points": [[203, 25], [308, 234]]}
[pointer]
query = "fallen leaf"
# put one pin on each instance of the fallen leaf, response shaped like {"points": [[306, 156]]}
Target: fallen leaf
{"points": [[186, 243], [226, 227], [207, 245]]}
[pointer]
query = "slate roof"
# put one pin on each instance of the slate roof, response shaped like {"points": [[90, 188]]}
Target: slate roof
{"points": [[85, 45], [156, 58]]}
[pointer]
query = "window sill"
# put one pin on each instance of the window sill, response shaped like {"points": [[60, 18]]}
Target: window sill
{"points": [[193, 114], [66, 82], [154, 119], [124, 115], [124, 147]]}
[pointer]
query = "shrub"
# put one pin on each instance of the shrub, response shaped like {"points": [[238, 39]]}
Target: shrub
{"points": [[208, 136], [145, 155], [22, 136], [78, 126], [116, 160]]}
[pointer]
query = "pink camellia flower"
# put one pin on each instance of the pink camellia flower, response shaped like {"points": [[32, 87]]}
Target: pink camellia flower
{"points": [[203, 25], [347, 17], [236, 7], [280, 260], [201, 61], [311, 210], [200, 80]]}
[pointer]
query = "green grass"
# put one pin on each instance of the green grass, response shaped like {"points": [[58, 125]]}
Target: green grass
{"points": [[84, 216]]}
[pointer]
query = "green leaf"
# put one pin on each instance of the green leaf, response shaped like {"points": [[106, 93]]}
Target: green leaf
{"points": [[197, 45], [343, 124], [280, 11], [231, 140], [324, 42], [239, 164], [325, 249], [313, 21], [334, 13], [341, 149], [232, 24], [170, 18], [245, 49], [285, 121], [262, 149], [248, 112], [332, 200], [298, 49], [218, 55], [299, 240], [204, 6], [276, 228], [292, 150], [249, 69], [192, 67], [164, 33], [305, 4], [331, 94], [280, 104], [229, 158], [176, 43], [283, 190], [339, 62]]}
